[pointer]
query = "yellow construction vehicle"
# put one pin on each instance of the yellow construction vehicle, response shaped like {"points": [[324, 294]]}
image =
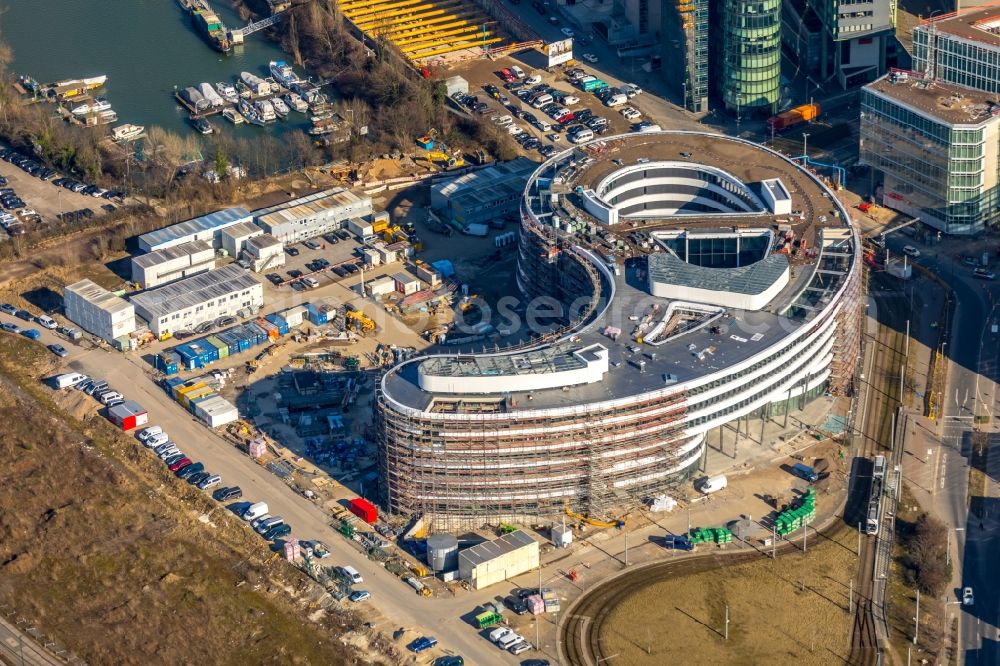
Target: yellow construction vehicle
{"points": [[592, 521], [359, 322]]}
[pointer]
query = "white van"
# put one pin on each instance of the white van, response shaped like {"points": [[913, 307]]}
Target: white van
{"points": [[509, 639], [581, 136], [47, 322], [113, 395], [516, 71], [616, 100], [541, 101], [147, 433], [69, 379], [533, 80], [713, 484], [353, 574], [255, 511]]}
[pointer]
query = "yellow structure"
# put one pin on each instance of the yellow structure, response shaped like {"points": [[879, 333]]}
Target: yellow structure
{"points": [[423, 29], [359, 321], [592, 521]]}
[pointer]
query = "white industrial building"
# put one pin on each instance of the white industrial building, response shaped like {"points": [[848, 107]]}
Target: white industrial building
{"points": [[496, 561], [184, 304], [172, 263], [264, 252], [207, 228], [234, 238], [312, 215], [382, 286], [406, 284], [98, 311]]}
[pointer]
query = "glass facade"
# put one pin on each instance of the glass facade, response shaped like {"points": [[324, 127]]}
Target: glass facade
{"points": [[957, 60], [944, 173], [686, 42], [750, 55]]}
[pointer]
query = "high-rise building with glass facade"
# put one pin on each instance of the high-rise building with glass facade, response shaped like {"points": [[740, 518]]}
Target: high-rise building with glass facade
{"points": [[685, 28], [937, 148], [729, 50], [749, 54]]}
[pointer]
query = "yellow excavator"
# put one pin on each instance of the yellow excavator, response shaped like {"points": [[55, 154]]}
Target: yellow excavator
{"points": [[360, 322], [592, 521]]}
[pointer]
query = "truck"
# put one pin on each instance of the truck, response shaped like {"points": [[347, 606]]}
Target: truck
{"points": [[793, 117], [596, 84], [488, 619], [677, 542], [712, 484], [805, 471]]}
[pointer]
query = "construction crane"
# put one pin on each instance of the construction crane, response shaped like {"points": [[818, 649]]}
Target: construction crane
{"points": [[592, 521]]}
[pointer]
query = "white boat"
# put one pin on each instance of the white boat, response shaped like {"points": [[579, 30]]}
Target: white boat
{"points": [[107, 117], [127, 132], [208, 92], [228, 92], [265, 110], [280, 107], [296, 102], [81, 110], [95, 81], [256, 84], [233, 116], [98, 105], [283, 73]]}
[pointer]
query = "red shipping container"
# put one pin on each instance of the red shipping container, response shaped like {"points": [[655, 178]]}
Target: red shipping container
{"points": [[363, 509], [128, 415]]}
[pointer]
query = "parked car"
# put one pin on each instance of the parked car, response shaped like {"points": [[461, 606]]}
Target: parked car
{"points": [[518, 648], [311, 244], [7, 308], [677, 542], [911, 251], [210, 482], [423, 643], [984, 274], [292, 251], [180, 463], [360, 595], [59, 351], [146, 434], [516, 605], [278, 531], [967, 598], [227, 494], [198, 477]]}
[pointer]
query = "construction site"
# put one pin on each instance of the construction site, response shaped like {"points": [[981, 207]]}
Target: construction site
{"points": [[668, 330]]}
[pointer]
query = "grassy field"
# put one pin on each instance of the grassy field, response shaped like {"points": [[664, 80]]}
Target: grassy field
{"points": [[790, 611], [103, 550]]}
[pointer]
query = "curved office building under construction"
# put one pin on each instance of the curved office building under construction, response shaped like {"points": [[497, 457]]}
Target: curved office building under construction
{"points": [[702, 278]]}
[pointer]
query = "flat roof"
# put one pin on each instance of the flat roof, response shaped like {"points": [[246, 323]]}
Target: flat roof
{"points": [[242, 229], [981, 25], [405, 278], [220, 218], [308, 205], [558, 358], [98, 296], [943, 101], [193, 291], [263, 241], [490, 550], [157, 257]]}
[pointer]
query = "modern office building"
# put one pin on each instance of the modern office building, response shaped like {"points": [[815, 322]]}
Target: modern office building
{"points": [[744, 311], [748, 53], [685, 30], [312, 215], [961, 48], [937, 149], [98, 311], [849, 41], [172, 263], [182, 305], [205, 228]]}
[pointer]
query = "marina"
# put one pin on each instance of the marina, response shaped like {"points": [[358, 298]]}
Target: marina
{"points": [[140, 81]]}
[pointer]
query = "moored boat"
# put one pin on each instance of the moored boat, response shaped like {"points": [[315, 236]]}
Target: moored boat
{"points": [[202, 125], [250, 113], [228, 92], [127, 132], [280, 107], [233, 116], [256, 84], [296, 102], [208, 92], [283, 73], [265, 110]]}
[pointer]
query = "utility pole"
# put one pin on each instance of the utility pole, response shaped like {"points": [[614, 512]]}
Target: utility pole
{"points": [[805, 537], [727, 622], [774, 541], [916, 620], [850, 599], [626, 546], [859, 538], [805, 151]]}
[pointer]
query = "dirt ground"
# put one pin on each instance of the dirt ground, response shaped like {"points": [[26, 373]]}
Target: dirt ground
{"points": [[102, 548], [793, 610]]}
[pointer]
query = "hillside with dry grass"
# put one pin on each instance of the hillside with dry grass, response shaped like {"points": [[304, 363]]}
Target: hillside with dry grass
{"points": [[104, 550]]}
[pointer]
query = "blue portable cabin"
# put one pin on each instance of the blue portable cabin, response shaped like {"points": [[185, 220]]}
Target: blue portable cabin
{"points": [[208, 352], [231, 340], [189, 356], [172, 383], [167, 362], [260, 332], [278, 321], [315, 315]]}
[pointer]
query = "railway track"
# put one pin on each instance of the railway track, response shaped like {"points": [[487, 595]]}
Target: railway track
{"points": [[879, 400]]}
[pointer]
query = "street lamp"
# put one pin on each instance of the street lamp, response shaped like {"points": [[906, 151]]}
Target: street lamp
{"points": [[805, 146]]}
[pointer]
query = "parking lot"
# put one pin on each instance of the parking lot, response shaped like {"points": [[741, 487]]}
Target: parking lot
{"points": [[28, 199], [318, 264]]}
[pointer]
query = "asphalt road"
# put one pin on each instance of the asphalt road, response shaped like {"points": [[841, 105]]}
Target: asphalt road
{"points": [[438, 617], [18, 649], [973, 350]]}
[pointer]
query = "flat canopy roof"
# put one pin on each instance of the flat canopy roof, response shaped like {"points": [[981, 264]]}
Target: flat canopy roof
{"points": [[756, 278], [490, 550], [220, 218], [193, 291], [158, 257]]}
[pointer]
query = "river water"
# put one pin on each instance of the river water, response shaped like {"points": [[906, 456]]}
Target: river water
{"points": [[147, 48]]}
